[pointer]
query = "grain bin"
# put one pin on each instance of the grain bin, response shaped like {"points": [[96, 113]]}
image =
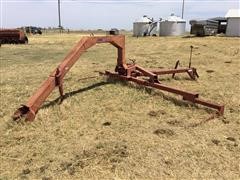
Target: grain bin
{"points": [[141, 26], [172, 26]]}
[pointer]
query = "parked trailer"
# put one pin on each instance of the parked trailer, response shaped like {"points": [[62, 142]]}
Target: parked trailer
{"points": [[204, 27], [222, 24], [32, 30], [12, 36]]}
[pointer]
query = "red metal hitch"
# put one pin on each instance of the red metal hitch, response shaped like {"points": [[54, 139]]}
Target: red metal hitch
{"points": [[123, 71]]}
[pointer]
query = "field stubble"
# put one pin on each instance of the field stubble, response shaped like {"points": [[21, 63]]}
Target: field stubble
{"points": [[109, 129]]}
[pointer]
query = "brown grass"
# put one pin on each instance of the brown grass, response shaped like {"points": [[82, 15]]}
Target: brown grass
{"points": [[112, 130]]}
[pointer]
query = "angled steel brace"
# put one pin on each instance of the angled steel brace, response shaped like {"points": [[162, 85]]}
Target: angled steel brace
{"points": [[55, 79]]}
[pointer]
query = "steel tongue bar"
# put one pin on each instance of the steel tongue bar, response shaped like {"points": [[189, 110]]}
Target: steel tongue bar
{"points": [[189, 96]]}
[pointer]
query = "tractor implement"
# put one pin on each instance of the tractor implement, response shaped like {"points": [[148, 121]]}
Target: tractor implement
{"points": [[13, 36], [123, 71]]}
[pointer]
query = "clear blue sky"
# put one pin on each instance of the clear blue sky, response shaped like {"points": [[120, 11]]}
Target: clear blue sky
{"points": [[104, 14]]}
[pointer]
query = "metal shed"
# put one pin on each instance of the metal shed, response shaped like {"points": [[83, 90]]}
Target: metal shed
{"points": [[233, 22]]}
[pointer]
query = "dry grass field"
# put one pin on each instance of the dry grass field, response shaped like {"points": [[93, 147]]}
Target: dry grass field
{"points": [[111, 130]]}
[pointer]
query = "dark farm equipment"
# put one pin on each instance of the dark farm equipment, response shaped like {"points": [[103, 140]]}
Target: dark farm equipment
{"points": [[32, 30], [12, 36], [208, 27], [123, 71]]}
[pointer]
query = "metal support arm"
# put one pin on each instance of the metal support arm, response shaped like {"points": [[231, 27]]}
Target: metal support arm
{"points": [[56, 77]]}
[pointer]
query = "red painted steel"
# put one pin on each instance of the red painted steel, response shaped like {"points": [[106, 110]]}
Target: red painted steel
{"points": [[12, 36], [188, 96], [56, 77], [123, 71]]}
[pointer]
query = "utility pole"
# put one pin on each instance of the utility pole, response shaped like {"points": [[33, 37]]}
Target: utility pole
{"points": [[59, 16], [183, 8]]}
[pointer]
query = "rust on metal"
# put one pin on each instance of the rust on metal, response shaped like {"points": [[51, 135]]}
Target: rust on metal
{"points": [[13, 36], [123, 71]]}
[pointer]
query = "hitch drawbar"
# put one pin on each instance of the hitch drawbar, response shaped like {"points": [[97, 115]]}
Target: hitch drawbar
{"points": [[123, 71]]}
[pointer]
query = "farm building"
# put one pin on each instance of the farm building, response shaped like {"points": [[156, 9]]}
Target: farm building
{"points": [[141, 26], [233, 22], [172, 26]]}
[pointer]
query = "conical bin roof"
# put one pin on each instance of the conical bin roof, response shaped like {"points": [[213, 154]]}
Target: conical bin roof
{"points": [[173, 18], [143, 19]]}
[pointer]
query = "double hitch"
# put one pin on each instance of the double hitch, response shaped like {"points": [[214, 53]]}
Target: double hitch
{"points": [[123, 71]]}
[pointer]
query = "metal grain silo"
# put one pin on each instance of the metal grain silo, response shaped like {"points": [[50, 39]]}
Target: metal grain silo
{"points": [[141, 26], [172, 26]]}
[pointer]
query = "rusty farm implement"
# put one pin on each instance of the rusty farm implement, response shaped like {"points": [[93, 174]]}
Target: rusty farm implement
{"points": [[13, 36], [123, 71]]}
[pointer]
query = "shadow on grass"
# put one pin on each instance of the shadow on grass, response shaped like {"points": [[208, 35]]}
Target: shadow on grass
{"points": [[72, 93], [177, 78], [193, 36], [149, 90], [156, 92]]}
